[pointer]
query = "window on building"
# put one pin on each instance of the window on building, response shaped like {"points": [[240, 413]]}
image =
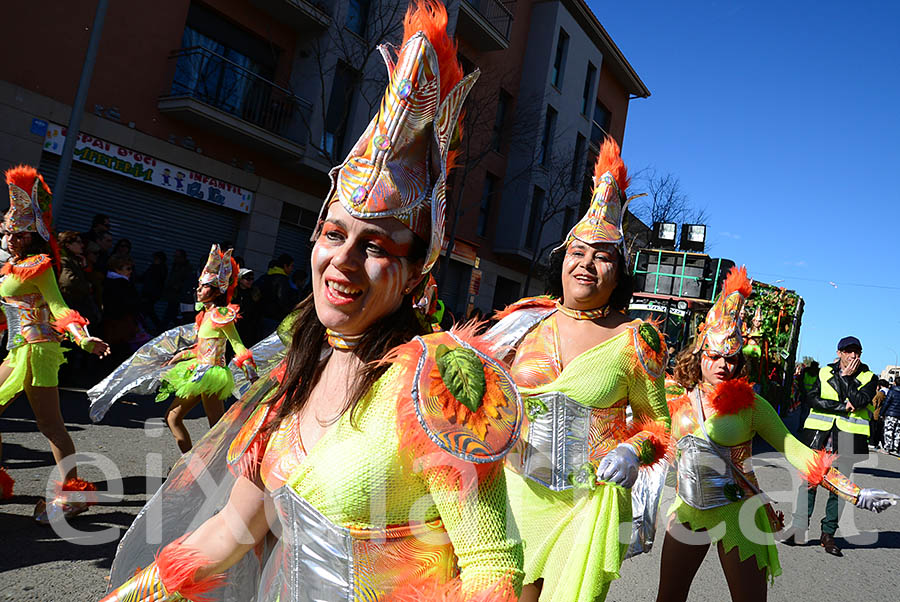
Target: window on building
{"points": [[577, 159], [338, 109], [587, 188], [357, 16], [225, 66], [487, 198], [534, 219], [600, 125], [588, 88], [547, 138], [506, 291], [503, 104], [559, 62]]}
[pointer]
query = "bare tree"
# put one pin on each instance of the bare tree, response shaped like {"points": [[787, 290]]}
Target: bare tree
{"points": [[665, 200], [561, 191], [355, 57]]}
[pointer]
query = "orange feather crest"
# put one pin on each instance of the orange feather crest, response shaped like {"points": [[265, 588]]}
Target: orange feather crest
{"points": [[610, 160], [737, 280], [430, 17]]}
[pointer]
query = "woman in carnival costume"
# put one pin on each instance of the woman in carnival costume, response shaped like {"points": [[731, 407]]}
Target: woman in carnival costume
{"points": [[379, 443], [579, 363], [37, 319], [200, 373], [718, 496]]}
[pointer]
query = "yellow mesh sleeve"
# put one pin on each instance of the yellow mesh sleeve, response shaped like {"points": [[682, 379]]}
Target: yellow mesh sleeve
{"points": [[476, 523], [767, 423], [231, 333], [46, 285], [650, 414]]}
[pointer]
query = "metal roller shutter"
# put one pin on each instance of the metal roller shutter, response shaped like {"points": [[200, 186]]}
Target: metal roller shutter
{"points": [[153, 219], [294, 240]]}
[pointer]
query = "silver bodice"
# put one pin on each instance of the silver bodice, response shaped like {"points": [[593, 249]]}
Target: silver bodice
{"points": [[704, 480]]}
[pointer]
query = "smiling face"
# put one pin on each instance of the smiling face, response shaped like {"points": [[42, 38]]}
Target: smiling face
{"points": [[589, 275], [360, 269], [715, 368]]}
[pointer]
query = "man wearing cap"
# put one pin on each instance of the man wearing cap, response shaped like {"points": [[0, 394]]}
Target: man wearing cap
{"points": [[839, 401]]}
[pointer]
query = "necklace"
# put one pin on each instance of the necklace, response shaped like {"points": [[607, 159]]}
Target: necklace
{"points": [[583, 314], [343, 341]]}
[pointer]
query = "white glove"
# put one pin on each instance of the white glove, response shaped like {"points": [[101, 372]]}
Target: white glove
{"points": [[875, 500], [620, 466]]}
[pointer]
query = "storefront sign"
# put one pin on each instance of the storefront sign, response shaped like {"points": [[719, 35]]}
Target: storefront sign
{"points": [[144, 168], [462, 251]]}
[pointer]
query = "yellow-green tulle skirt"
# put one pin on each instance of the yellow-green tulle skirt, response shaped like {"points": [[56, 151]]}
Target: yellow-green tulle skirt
{"points": [[44, 359]]}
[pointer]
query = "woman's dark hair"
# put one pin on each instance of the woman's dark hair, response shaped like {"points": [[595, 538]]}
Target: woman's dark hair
{"points": [[687, 367], [621, 295], [303, 360], [122, 242], [118, 262]]}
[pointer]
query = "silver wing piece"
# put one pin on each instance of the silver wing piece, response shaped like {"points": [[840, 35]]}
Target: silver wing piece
{"points": [[140, 374], [198, 486], [267, 354]]}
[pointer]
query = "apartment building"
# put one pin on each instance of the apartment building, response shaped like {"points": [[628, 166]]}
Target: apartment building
{"points": [[218, 121]]}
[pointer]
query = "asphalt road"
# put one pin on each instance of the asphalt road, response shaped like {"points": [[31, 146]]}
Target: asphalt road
{"points": [[36, 564]]}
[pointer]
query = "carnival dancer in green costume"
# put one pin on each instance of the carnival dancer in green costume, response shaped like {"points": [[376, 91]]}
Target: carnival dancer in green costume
{"points": [[37, 319], [718, 497], [580, 362], [378, 446], [199, 373]]}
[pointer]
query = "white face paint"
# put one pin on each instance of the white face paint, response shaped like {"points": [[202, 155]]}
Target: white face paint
{"points": [[589, 275], [360, 270], [715, 368]]}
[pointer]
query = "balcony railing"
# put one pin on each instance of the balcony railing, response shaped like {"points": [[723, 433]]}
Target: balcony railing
{"points": [[225, 85], [495, 13]]}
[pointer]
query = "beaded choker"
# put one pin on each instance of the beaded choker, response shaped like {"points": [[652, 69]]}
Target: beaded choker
{"points": [[343, 341], [581, 314]]}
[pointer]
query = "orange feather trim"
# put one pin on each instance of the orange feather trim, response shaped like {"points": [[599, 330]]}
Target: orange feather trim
{"points": [[7, 484], [240, 358], [818, 467], [430, 17], [232, 286], [415, 444], [527, 302], [451, 591], [737, 280], [610, 160], [36, 265], [77, 484], [657, 435], [178, 565], [23, 176], [731, 396], [70, 317]]}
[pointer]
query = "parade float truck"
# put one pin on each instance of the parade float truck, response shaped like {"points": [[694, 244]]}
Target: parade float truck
{"points": [[676, 289]]}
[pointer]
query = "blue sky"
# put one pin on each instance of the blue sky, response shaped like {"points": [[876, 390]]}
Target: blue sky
{"points": [[783, 120]]}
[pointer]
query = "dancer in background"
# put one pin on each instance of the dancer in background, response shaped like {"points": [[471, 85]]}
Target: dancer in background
{"points": [[37, 319], [187, 361], [385, 467], [579, 363], [718, 497]]}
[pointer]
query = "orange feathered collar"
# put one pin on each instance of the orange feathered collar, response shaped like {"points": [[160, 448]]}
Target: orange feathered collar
{"points": [[732, 396], [27, 268]]}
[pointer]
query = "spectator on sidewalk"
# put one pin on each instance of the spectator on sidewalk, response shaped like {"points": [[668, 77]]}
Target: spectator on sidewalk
{"points": [[890, 411], [74, 284], [278, 293], [121, 307], [248, 298], [180, 285], [153, 282], [122, 249]]}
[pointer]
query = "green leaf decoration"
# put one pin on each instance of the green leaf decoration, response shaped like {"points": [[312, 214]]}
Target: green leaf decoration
{"points": [[650, 336], [534, 407], [585, 477], [648, 452], [463, 374]]}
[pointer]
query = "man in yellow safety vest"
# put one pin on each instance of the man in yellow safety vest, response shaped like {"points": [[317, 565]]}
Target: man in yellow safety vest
{"points": [[840, 405]]}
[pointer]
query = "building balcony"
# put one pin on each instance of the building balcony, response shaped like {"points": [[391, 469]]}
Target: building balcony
{"points": [[302, 15], [220, 95], [485, 24]]}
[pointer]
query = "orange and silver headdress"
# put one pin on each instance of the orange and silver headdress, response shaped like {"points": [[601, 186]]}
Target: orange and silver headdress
{"points": [[721, 332], [398, 167], [220, 271], [603, 221], [30, 202]]}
